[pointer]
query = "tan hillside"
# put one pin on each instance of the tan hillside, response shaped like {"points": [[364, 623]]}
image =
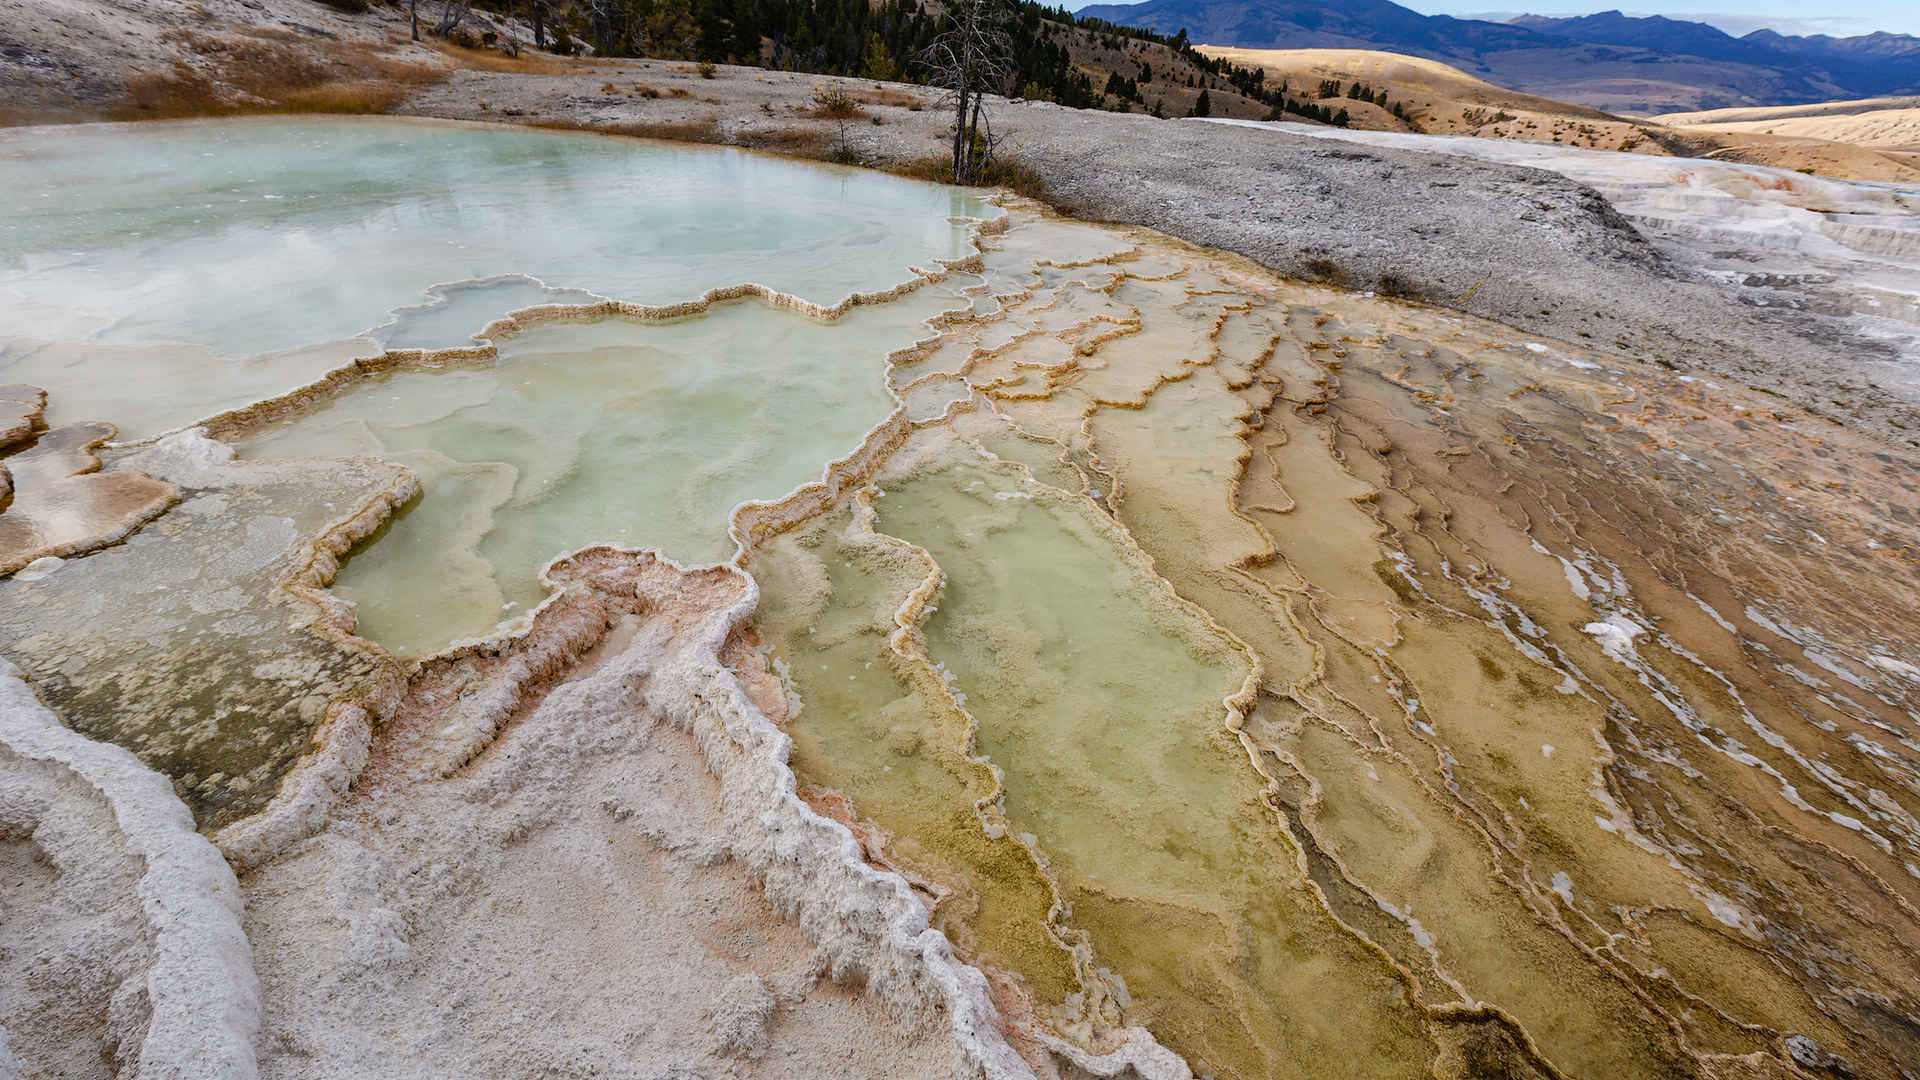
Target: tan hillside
{"points": [[1441, 100], [1393, 69], [1860, 140], [1820, 157], [1891, 123]]}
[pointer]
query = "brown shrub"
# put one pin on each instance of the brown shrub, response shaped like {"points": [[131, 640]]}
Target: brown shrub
{"points": [[1321, 268], [1396, 286], [833, 103]]}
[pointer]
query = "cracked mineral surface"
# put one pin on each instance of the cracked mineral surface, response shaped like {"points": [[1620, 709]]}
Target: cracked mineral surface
{"points": [[1030, 649]]}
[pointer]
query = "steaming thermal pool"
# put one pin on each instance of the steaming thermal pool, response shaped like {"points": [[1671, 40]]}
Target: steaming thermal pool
{"points": [[227, 262], [1244, 676]]}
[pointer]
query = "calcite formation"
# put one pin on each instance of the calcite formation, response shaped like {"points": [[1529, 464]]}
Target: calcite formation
{"points": [[123, 950], [1154, 667], [22, 412], [54, 500], [1563, 709], [60, 505], [202, 643]]}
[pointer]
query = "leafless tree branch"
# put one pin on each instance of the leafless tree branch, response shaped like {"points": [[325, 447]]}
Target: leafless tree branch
{"points": [[971, 58]]}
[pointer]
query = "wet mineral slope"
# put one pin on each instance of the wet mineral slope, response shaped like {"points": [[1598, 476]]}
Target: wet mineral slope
{"points": [[1161, 668], [1300, 675]]}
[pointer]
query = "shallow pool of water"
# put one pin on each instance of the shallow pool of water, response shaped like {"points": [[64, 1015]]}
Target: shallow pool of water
{"points": [[619, 431], [203, 262]]}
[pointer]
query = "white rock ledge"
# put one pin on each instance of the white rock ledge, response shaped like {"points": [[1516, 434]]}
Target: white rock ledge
{"points": [[203, 996]]}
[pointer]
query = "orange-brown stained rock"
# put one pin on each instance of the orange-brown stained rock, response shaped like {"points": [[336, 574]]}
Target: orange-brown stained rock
{"points": [[61, 504], [1584, 692], [22, 409]]}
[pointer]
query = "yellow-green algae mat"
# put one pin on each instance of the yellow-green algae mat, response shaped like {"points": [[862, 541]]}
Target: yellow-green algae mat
{"points": [[1335, 687]]}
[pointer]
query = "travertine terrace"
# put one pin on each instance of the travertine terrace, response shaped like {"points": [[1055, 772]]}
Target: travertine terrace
{"points": [[1151, 666]]}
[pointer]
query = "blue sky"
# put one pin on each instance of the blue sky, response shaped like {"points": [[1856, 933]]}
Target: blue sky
{"points": [[1838, 17]]}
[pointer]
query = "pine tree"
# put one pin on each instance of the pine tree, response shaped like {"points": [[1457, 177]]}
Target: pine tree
{"points": [[746, 31], [1202, 107]]}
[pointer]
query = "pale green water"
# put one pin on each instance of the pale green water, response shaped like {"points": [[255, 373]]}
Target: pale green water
{"points": [[644, 435], [156, 274], [197, 253]]}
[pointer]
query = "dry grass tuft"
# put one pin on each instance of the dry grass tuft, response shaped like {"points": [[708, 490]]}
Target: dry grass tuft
{"points": [[1322, 269], [1397, 286], [273, 71], [704, 130], [833, 103], [1001, 172], [529, 62], [798, 141], [891, 96]]}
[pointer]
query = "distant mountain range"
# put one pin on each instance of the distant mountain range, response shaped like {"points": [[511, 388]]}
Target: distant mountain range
{"points": [[1610, 61]]}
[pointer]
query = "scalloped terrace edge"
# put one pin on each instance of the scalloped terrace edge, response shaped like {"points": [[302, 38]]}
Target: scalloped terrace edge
{"points": [[810, 866], [320, 777]]}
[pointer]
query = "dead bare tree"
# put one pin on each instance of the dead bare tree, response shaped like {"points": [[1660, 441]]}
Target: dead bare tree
{"points": [[452, 14], [512, 43], [971, 58]]}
